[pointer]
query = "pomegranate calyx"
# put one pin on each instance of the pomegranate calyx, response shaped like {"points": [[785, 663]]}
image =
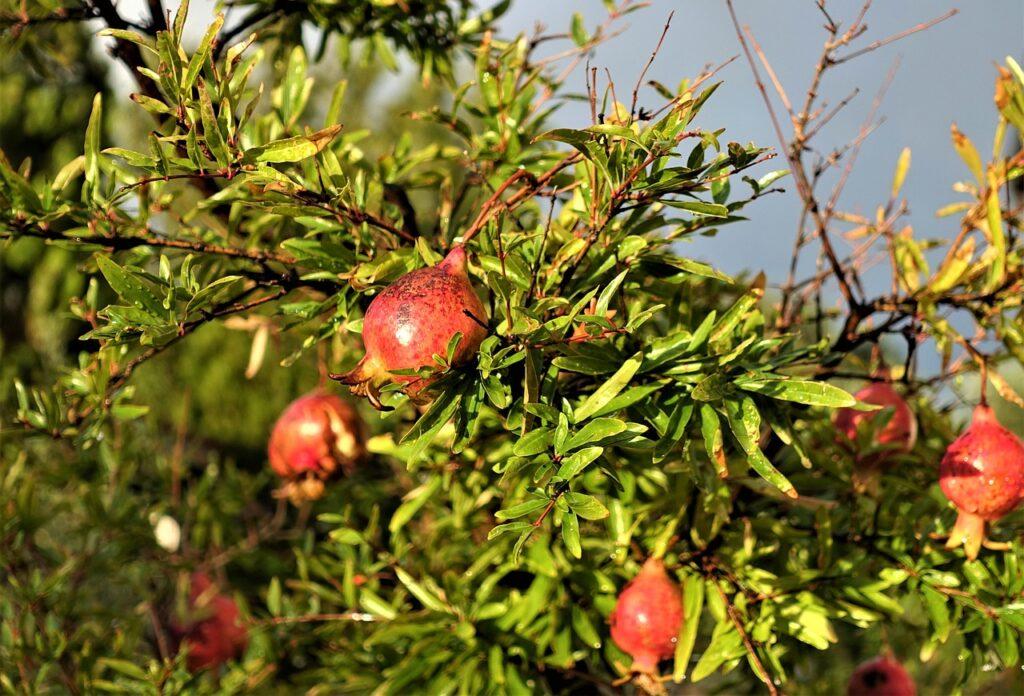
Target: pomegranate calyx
{"points": [[969, 532]]}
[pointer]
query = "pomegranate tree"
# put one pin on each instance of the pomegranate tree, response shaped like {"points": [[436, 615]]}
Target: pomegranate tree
{"points": [[897, 434], [212, 631], [982, 473], [647, 617], [882, 676], [414, 319], [315, 437]]}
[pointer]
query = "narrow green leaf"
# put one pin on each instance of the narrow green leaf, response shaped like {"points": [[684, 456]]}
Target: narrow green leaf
{"points": [[801, 391], [693, 603], [427, 598], [607, 391], [412, 502], [571, 533], [578, 461]]}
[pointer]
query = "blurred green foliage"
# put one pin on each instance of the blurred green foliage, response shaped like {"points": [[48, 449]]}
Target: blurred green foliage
{"points": [[628, 402]]}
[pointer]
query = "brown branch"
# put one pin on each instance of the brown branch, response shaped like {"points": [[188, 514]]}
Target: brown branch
{"points": [[796, 165], [314, 618], [895, 37], [748, 643], [151, 239], [650, 61]]}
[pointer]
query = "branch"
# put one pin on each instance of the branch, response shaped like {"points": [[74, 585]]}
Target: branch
{"points": [[748, 643], [151, 239]]}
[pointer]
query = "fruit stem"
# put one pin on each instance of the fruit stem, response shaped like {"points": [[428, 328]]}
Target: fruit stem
{"points": [[969, 531]]}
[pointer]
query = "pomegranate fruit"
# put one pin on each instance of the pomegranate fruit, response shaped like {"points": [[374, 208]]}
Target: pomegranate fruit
{"points": [[647, 617], [882, 676], [898, 434], [314, 437], [982, 473], [413, 319], [213, 632]]}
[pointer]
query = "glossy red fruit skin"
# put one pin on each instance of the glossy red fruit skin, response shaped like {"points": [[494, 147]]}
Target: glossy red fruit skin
{"points": [[413, 319], [214, 633], [647, 617], [901, 429], [982, 474], [882, 676], [316, 435]]}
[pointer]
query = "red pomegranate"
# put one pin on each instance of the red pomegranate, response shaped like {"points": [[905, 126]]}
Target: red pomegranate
{"points": [[882, 676], [897, 435], [647, 617], [315, 436], [982, 473], [213, 631], [413, 319]]}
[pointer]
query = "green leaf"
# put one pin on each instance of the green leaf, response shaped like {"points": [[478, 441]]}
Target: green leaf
{"points": [[900, 175], [938, 611], [571, 533], [92, 142], [578, 31], [412, 502], [534, 442], [586, 506], [520, 509], [693, 603], [195, 65], [427, 598], [274, 597], [968, 153], [211, 128], [129, 286], [595, 430], [745, 423], [607, 391], [584, 628], [726, 645], [953, 267], [578, 461], [709, 209], [294, 149], [801, 391], [711, 429], [500, 529]]}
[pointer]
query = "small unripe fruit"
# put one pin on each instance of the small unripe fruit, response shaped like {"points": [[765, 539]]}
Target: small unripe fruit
{"points": [[882, 676], [412, 320], [317, 436], [647, 617], [982, 473], [897, 435], [213, 632]]}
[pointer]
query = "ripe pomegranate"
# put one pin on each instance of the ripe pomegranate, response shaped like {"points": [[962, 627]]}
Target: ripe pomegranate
{"points": [[213, 631], [882, 676], [647, 617], [897, 435], [315, 436], [413, 319], [982, 473]]}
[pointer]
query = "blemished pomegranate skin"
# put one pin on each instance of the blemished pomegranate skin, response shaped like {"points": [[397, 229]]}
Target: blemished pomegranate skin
{"points": [[413, 319], [982, 474], [315, 437], [882, 676], [901, 429], [647, 617], [215, 633]]}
